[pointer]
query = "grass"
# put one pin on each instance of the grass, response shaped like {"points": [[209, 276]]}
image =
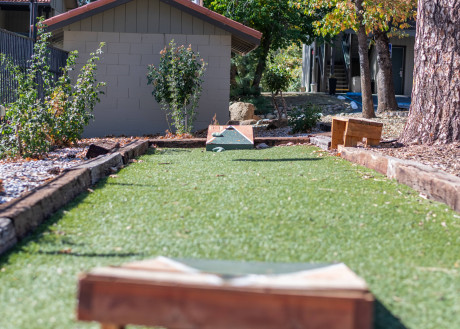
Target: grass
{"points": [[291, 204]]}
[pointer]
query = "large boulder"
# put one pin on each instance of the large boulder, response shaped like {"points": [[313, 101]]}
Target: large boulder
{"points": [[241, 111]]}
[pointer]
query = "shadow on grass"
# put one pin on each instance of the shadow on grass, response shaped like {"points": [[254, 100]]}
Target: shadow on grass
{"points": [[132, 184], [279, 160], [384, 319], [171, 150], [90, 254]]}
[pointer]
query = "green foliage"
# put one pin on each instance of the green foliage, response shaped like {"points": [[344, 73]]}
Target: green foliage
{"points": [[289, 58], [33, 122], [280, 22], [177, 84], [304, 118], [277, 78], [242, 75], [262, 104]]}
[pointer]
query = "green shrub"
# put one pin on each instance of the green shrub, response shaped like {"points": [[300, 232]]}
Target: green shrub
{"points": [[277, 78], [34, 123], [242, 76], [177, 84], [303, 119]]}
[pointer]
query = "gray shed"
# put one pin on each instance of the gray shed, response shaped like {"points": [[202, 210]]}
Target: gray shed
{"points": [[135, 31]]}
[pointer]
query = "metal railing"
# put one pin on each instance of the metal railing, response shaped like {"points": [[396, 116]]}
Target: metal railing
{"points": [[19, 50], [346, 53]]}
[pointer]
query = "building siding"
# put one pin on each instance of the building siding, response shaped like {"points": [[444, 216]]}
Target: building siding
{"points": [[128, 107], [408, 43], [146, 16]]}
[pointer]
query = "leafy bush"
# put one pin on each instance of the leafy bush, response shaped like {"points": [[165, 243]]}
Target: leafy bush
{"points": [[35, 122], [277, 78], [303, 119], [242, 75], [177, 84], [289, 58]]}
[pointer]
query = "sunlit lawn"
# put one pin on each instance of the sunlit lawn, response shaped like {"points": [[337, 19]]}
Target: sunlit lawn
{"points": [[285, 204]]}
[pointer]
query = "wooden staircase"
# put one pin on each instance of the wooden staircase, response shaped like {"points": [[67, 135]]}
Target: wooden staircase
{"points": [[341, 75]]}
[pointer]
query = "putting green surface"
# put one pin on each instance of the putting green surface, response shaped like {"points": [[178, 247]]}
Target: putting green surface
{"points": [[284, 204]]}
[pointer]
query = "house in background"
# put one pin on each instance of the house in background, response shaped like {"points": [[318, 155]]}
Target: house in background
{"points": [[135, 31], [15, 14], [317, 60]]}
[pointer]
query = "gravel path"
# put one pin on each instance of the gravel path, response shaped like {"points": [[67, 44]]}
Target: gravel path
{"points": [[18, 176], [23, 175]]}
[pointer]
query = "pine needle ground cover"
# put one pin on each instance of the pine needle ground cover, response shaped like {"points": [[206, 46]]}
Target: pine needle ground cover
{"points": [[285, 204]]}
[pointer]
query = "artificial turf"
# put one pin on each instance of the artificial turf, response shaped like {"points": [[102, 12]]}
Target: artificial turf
{"points": [[284, 204]]}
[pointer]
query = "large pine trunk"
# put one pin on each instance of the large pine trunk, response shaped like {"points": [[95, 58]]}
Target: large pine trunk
{"points": [[385, 87], [366, 91], [434, 115]]}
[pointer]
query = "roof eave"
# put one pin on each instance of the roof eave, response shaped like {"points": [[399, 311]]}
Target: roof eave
{"points": [[244, 39]]}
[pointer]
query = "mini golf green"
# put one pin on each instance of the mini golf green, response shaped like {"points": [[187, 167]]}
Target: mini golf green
{"points": [[284, 204]]}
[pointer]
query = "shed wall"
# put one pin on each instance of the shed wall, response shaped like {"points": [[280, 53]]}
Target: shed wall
{"points": [[134, 34], [128, 106]]}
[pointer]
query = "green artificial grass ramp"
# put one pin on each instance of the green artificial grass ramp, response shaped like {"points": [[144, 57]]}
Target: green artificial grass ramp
{"points": [[284, 204]]}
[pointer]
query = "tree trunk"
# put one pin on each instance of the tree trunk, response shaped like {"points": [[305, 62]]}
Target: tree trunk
{"points": [[264, 48], [385, 87], [366, 92], [434, 115]]}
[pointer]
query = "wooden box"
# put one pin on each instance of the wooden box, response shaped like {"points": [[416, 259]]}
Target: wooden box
{"points": [[225, 295], [350, 131]]}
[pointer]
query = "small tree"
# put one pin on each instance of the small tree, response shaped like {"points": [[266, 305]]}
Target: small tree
{"points": [[177, 84], [277, 78]]}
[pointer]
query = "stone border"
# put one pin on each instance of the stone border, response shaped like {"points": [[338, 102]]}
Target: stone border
{"points": [[433, 183], [21, 216], [201, 142]]}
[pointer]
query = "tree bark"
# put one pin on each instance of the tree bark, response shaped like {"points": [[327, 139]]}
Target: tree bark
{"points": [[385, 87], [434, 115], [264, 48], [366, 91]]}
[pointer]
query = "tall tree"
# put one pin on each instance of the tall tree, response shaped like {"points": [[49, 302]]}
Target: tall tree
{"points": [[279, 21], [434, 115], [385, 18], [365, 17]]}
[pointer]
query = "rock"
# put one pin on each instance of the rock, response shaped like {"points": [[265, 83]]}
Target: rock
{"points": [[262, 146], [325, 126], [7, 235], [263, 122], [2, 189], [101, 148], [248, 122], [270, 116], [54, 171], [275, 124], [354, 106], [241, 111]]}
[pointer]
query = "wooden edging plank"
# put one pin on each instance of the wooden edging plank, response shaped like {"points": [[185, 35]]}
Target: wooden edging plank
{"points": [[201, 142], [21, 216]]}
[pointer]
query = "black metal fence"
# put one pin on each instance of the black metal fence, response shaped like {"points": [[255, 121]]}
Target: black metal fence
{"points": [[19, 50]]}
